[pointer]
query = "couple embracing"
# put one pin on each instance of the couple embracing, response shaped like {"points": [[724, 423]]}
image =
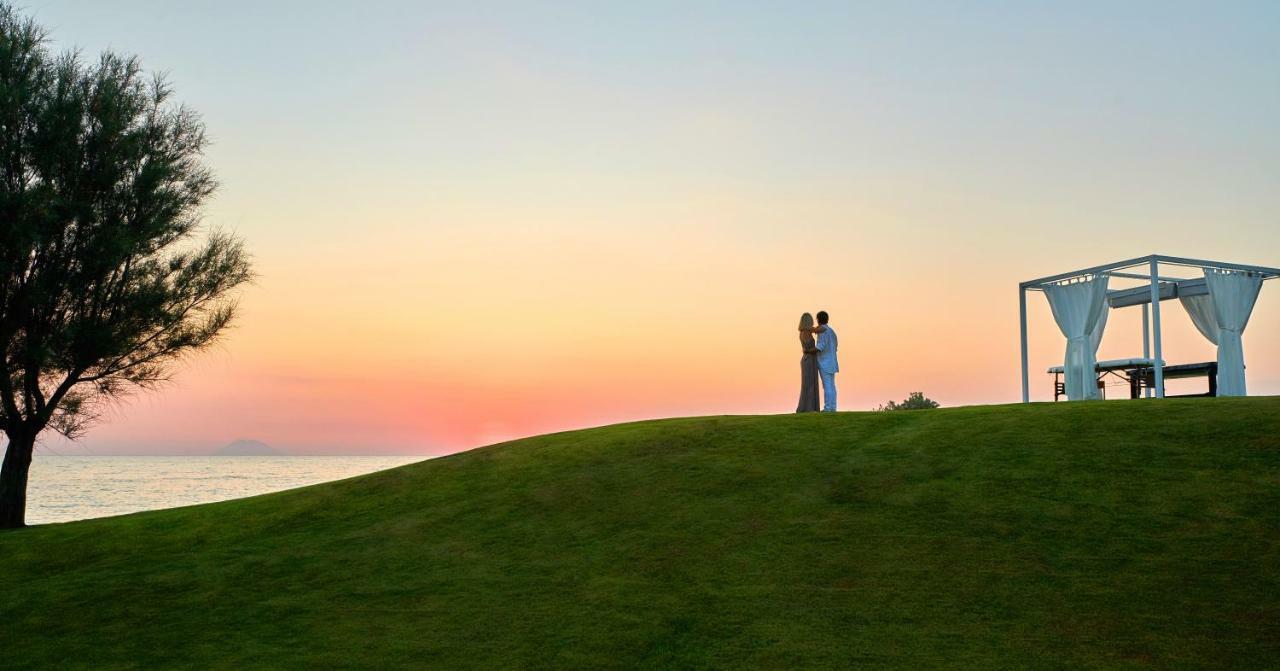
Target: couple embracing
{"points": [[818, 361]]}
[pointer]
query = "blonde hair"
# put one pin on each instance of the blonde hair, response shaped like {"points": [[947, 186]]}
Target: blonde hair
{"points": [[806, 321]]}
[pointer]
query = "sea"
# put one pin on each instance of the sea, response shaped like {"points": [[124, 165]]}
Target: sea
{"points": [[63, 488]]}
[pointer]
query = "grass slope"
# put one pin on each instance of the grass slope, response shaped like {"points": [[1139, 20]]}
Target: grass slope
{"points": [[1118, 535]]}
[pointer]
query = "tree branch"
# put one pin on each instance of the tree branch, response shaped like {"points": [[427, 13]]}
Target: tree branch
{"points": [[47, 412]]}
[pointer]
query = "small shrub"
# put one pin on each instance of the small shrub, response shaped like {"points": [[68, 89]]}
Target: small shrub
{"points": [[915, 401]]}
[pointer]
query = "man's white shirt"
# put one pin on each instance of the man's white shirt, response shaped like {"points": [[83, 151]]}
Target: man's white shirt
{"points": [[827, 345]]}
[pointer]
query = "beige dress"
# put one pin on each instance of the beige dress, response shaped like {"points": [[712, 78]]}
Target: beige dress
{"points": [[809, 401]]}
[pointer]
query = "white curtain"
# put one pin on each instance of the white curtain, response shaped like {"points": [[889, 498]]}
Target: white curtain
{"points": [[1200, 309], [1233, 294], [1078, 308], [1096, 338]]}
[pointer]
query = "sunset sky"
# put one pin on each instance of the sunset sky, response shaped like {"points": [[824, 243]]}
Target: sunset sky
{"points": [[472, 224]]}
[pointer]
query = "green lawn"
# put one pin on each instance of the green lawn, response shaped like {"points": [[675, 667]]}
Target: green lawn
{"points": [[1134, 534]]}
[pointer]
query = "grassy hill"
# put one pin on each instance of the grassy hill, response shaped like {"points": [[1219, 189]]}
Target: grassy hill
{"points": [[1089, 535]]}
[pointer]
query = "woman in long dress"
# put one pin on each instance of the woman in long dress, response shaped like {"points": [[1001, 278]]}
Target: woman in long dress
{"points": [[809, 401]]}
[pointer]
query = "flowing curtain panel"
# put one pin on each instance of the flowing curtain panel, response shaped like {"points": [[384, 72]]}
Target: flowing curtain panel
{"points": [[1078, 308], [1234, 294], [1095, 338], [1200, 309]]}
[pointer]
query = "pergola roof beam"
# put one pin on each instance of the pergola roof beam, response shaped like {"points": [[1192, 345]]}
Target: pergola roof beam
{"points": [[1201, 263], [1144, 278], [1123, 298], [1096, 270], [1112, 268]]}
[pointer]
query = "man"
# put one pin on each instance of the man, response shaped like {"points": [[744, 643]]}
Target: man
{"points": [[828, 366]]}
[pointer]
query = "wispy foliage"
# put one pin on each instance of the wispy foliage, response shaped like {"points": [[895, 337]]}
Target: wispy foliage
{"points": [[104, 280]]}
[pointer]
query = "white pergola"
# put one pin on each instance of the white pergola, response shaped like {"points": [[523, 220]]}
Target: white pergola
{"points": [[1074, 297]]}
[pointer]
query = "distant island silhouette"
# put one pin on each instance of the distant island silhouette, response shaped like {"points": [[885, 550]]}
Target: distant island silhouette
{"points": [[248, 448]]}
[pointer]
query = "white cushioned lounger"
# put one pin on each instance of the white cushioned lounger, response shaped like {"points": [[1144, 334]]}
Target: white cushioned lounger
{"points": [[1115, 364]]}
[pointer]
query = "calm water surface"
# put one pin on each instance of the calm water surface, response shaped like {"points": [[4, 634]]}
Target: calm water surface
{"points": [[65, 488]]}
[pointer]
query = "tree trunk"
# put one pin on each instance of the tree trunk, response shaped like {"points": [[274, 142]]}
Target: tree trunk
{"points": [[13, 479]]}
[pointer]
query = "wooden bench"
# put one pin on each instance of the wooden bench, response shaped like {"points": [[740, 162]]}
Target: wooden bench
{"points": [[1145, 378]]}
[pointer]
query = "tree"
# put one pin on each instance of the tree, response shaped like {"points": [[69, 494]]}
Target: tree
{"points": [[103, 286], [916, 400]]}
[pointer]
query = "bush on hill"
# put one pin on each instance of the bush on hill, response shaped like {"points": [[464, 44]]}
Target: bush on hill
{"points": [[916, 400]]}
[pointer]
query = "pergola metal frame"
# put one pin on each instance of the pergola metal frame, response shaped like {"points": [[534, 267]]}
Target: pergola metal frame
{"points": [[1160, 285]]}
